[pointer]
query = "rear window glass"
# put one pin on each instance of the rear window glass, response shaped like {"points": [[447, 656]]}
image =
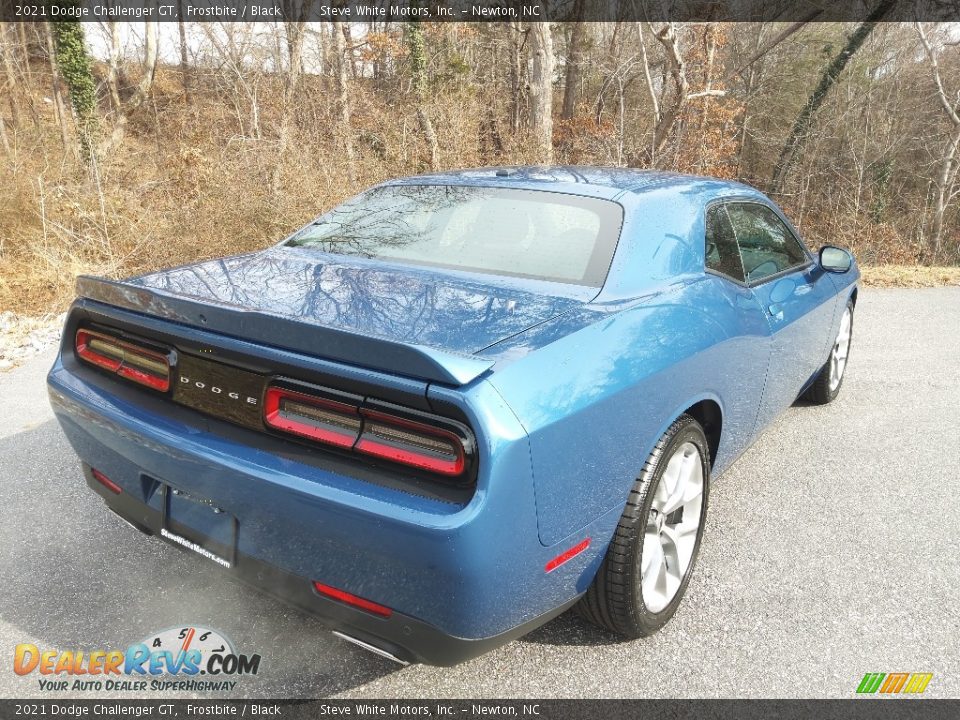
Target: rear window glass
{"points": [[525, 233]]}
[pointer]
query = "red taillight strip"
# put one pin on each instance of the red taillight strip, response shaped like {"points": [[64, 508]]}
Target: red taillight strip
{"points": [[567, 555], [423, 460], [350, 599], [120, 366], [106, 482], [274, 417], [138, 376], [397, 438], [87, 353]]}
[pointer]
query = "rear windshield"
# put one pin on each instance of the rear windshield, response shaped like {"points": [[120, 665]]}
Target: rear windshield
{"points": [[525, 233]]}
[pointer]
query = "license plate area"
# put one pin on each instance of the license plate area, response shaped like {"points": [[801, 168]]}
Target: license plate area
{"points": [[198, 525]]}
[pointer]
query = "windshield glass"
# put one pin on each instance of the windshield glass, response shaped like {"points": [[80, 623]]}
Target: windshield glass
{"points": [[526, 233]]}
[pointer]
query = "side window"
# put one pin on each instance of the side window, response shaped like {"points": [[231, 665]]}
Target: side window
{"points": [[766, 245], [722, 254]]}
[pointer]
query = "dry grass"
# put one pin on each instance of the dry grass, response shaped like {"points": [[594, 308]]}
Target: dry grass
{"points": [[909, 276], [194, 182]]}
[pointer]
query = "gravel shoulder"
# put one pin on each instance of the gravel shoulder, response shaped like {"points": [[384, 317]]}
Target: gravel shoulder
{"points": [[23, 337]]}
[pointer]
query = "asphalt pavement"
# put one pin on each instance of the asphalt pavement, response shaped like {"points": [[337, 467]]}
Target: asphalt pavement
{"points": [[831, 550]]}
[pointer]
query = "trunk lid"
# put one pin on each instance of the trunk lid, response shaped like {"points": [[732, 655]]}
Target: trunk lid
{"points": [[416, 321]]}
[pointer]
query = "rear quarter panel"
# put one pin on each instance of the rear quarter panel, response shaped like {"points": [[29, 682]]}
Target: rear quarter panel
{"points": [[596, 401]]}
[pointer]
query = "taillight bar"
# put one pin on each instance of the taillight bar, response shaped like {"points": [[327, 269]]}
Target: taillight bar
{"points": [[123, 358], [411, 443], [315, 418], [433, 444]]}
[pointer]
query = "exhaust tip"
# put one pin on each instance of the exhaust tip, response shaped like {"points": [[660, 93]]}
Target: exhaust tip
{"points": [[370, 648]]}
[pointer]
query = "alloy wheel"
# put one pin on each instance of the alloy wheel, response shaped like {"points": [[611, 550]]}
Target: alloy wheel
{"points": [[841, 348], [672, 526]]}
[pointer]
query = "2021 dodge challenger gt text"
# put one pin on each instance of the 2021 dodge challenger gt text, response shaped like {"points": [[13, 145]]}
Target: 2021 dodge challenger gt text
{"points": [[459, 404]]}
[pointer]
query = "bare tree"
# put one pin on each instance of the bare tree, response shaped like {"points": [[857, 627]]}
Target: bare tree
{"points": [[232, 45], [418, 78], [541, 91], [143, 89], [798, 135], [295, 35], [518, 39], [666, 113], [6, 49], [580, 36], [184, 60], [344, 126], [113, 65], [946, 180], [149, 67]]}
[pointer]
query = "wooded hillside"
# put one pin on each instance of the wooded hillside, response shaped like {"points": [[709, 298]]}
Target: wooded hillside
{"points": [[132, 147]]}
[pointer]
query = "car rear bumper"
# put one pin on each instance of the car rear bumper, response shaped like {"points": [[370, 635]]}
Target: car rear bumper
{"points": [[459, 579], [400, 637]]}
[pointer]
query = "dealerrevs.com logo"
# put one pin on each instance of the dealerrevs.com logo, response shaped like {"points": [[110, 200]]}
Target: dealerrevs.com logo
{"points": [[193, 659]]}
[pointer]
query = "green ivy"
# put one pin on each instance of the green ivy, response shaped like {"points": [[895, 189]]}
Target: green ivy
{"points": [[75, 67], [418, 60]]}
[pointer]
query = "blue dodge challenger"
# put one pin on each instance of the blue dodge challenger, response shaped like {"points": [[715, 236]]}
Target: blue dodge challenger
{"points": [[459, 404]]}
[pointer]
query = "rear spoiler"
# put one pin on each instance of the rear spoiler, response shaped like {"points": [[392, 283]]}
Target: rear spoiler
{"points": [[414, 361]]}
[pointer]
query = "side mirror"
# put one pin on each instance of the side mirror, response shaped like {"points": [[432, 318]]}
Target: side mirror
{"points": [[835, 260]]}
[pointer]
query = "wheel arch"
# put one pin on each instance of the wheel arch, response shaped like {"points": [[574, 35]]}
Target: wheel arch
{"points": [[709, 414], [706, 410]]}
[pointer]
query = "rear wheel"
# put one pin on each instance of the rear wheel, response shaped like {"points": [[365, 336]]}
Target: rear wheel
{"points": [[826, 387], [654, 549]]}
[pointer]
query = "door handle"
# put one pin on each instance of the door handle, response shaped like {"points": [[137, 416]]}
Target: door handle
{"points": [[776, 311]]}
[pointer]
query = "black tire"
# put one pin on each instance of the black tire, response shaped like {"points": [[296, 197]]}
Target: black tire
{"points": [[614, 600], [820, 392]]}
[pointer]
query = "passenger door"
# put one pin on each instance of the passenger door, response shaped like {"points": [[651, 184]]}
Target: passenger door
{"points": [[796, 295], [742, 360]]}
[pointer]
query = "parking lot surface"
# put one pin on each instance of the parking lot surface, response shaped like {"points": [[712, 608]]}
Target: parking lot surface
{"points": [[831, 550]]}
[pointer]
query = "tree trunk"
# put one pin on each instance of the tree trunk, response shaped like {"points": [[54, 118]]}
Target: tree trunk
{"points": [[541, 91], [184, 60], [579, 42], [418, 79], [74, 65], [348, 41], [798, 136], [517, 41], [58, 104], [945, 179], [295, 34], [149, 65], [345, 130], [144, 87], [6, 48], [24, 48], [113, 67], [710, 50], [749, 82], [3, 137], [949, 164], [678, 71]]}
